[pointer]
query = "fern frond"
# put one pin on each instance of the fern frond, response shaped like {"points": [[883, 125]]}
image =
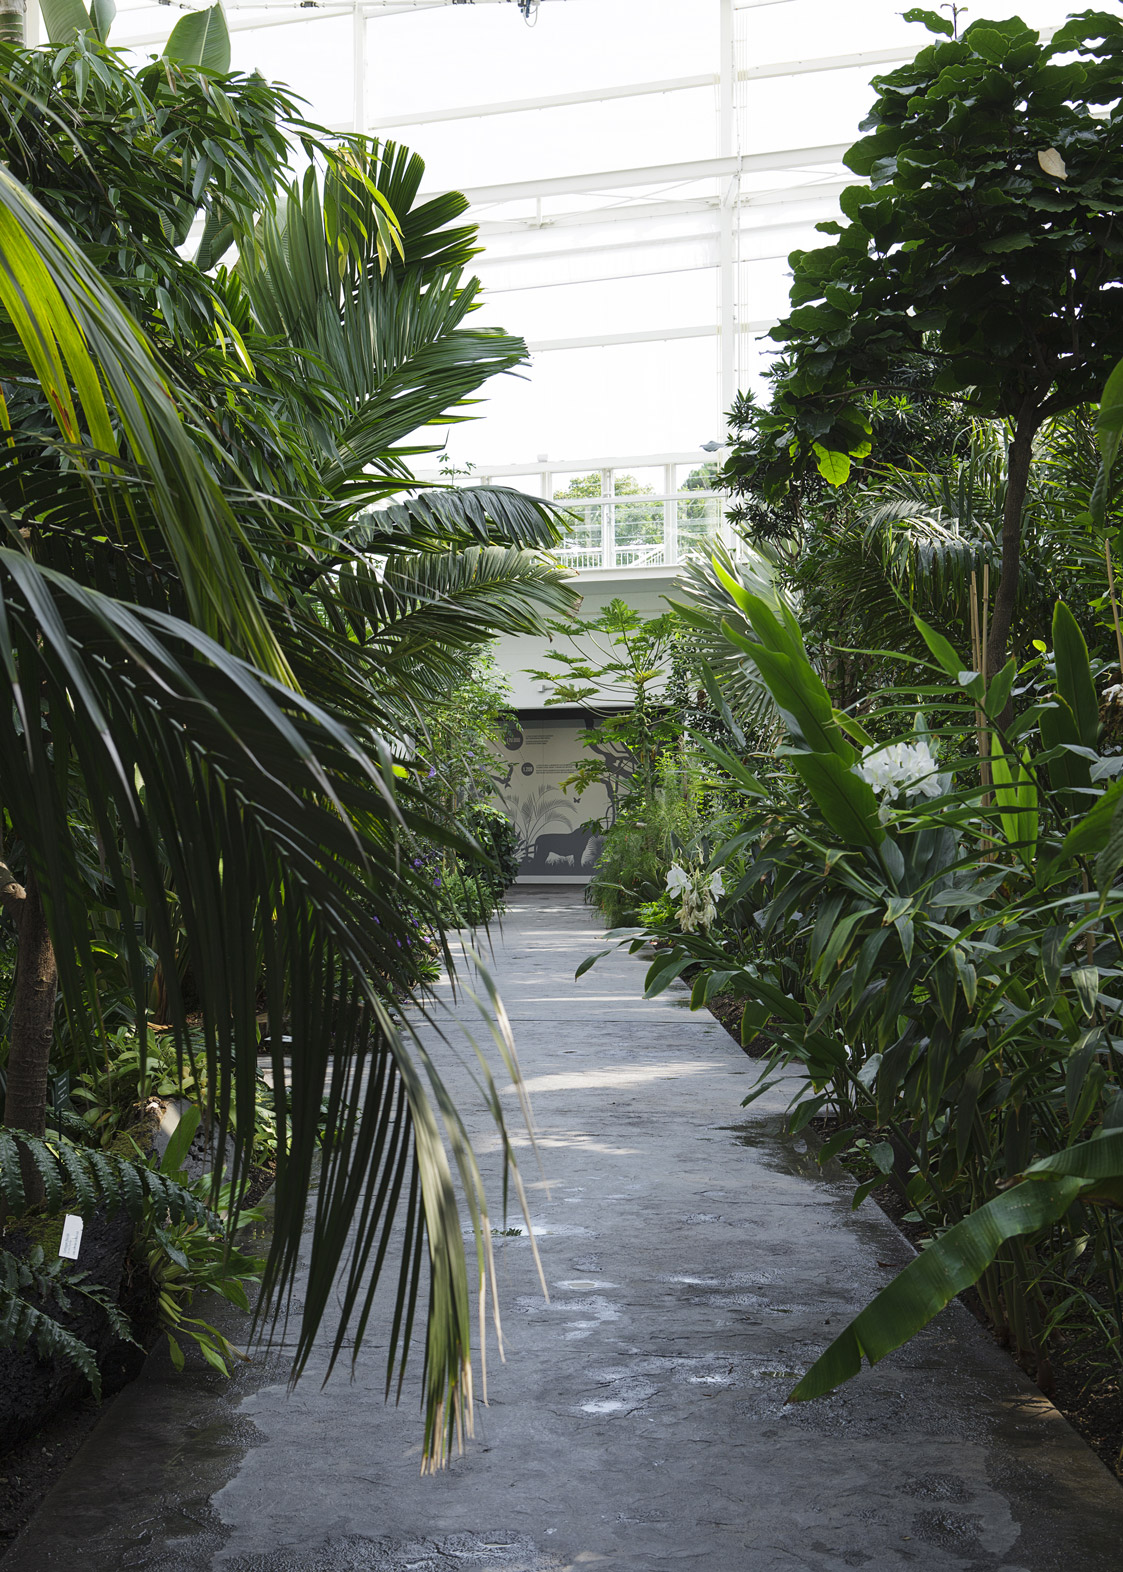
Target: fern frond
{"points": [[97, 1179], [22, 1323]]}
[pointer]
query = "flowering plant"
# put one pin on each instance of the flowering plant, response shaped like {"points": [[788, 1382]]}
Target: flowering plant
{"points": [[900, 769], [697, 891]]}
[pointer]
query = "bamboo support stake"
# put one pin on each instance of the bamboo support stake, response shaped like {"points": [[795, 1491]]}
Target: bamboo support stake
{"points": [[978, 660], [1114, 606]]}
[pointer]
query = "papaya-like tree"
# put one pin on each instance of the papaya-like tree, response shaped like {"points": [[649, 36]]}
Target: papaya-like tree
{"points": [[986, 244]]}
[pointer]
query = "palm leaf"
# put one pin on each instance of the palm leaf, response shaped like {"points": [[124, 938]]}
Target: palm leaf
{"points": [[279, 829], [201, 39], [99, 375], [721, 629], [477, 515]]}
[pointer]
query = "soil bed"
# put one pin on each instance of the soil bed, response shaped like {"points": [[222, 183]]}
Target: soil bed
{"points": [[1086, 1389]]}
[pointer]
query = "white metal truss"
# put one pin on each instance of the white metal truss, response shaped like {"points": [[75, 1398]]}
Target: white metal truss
{"points": [[732, 213]]}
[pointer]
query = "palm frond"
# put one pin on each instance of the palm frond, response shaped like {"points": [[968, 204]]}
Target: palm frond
{"points": [[476, 515], [100, 377], [710, 608], [279, 830]]}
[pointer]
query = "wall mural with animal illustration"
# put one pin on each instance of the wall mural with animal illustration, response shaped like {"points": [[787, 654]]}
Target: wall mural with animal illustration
{"points": [[533, 762]]}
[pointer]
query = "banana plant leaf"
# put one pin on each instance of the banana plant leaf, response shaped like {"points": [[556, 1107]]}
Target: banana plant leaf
{"points": [[1091, 1171]]}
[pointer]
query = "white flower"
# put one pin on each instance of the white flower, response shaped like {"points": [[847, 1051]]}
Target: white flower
{"points": [[696, 890], [677, 879], [899, 769]]}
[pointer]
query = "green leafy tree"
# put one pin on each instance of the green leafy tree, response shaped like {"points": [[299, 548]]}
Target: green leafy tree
{"points": [[985, 242], [616, 666]]}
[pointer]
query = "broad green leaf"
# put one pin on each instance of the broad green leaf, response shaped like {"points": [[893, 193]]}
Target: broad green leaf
{"points": [[1109, 425], [1086, 981], [951, 1263], [847, 803], [175, 1154], [1074, 675], [802, 700], [1069, 771], [932, 20], [1089, 835], [102, 13], [201, 39], [999, 689], [943, 651], [1015, 793], [1110, 859], [1091, 1170], [853, 728], [64, 19], [834, 467]]}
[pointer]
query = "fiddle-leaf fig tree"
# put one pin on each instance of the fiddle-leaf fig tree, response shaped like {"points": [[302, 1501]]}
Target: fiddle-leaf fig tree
{"points": [[985, 242]]}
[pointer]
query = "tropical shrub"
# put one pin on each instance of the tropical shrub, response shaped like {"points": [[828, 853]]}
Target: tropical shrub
{"points": [[939, 934]]}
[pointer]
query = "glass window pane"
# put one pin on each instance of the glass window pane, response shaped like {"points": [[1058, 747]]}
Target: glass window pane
{"points": [[699, 523], [583, 546], [531, 484]]}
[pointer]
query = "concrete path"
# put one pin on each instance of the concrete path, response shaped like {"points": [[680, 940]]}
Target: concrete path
{"points": [[697, 1263]]}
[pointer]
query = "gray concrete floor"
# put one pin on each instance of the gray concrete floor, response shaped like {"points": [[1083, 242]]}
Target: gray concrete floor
{"points": [[697, 1263]]}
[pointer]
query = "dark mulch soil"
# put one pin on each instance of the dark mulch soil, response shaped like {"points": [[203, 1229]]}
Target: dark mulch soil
{"points": [[29, 1469], [1084, 1385]]}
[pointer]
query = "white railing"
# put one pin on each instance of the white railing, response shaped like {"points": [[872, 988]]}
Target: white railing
{"points": [[642, 532], [633, 514]]}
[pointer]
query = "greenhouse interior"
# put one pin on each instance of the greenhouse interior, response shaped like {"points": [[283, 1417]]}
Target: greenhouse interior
{"points": [[561, 786]]}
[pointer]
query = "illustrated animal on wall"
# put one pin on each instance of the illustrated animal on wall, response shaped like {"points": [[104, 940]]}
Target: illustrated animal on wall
{"points": [[552, 852]]}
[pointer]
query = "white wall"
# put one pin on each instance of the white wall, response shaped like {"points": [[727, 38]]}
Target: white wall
{"points": [[643, 592]]}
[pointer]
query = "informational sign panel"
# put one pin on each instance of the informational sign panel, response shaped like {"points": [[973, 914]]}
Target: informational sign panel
{"points": [[534, 762]]}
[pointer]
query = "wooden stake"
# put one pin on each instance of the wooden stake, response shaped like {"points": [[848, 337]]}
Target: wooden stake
{"points": [[1114, 606]]}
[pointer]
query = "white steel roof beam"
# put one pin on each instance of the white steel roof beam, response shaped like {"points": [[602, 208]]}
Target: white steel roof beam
{"points": [[647, 336], [679, 84], [519, 106], [657, 174], [649, 211]]}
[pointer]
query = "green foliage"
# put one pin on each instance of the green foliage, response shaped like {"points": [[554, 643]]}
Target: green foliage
{"points": [[87, 1178], [31, 1288], [963, 244], [685, 818], [186, 1246], [197, 1256], [936, 959], [617, 664], [190, 507], [986, 228]]}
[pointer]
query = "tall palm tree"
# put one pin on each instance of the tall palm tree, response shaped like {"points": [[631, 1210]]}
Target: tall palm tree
{"points": [[212, 617]]}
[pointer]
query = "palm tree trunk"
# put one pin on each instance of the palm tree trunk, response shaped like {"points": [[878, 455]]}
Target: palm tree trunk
{"points": [[1017, 483], [32, 1029], [13, 21]]}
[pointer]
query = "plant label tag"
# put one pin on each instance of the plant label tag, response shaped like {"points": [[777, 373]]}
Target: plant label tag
{"points": [[71, 1241]]}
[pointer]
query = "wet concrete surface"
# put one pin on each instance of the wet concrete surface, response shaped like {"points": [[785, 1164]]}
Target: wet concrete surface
{"points": [[697, 1264]]}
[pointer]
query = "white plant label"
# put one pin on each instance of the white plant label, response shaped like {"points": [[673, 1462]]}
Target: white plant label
{"points": [[71, 1241]]}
